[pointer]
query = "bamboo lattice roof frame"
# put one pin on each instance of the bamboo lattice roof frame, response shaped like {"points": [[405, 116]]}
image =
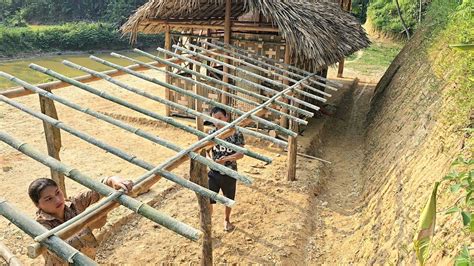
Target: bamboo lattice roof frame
{"points": [[302, 80]]}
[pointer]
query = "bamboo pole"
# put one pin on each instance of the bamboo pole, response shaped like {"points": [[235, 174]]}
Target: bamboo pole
{"points": [[8, 256], [132, 204], [201, 98], [235, 78], [171, 104], [33, 228], [144, 111], [294, 70], [123, 155], [287, 58], [340, 68], [254, 66], [36, 249], [208, 87], [168, 78], [53, 139], [251, 83], [227, 36], [216, 81], [127, 127]]}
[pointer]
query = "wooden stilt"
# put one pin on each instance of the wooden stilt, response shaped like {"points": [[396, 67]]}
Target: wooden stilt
{"points": [[227, 36], [292, 152], [53, 139], [168, 68], [340, 69]]}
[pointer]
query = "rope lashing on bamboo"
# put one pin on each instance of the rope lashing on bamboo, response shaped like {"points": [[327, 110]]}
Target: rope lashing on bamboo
{"points": [[198, 97], [243, 62], [144, 111], [221, 130], [235, 78], [123, 155], [129, 128], [257, 76], [171, 103], [294, 71], [208, 87], [33, 229], [217, 81]]}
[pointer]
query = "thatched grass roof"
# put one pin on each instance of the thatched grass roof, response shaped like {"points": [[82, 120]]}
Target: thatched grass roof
{"points": [[318, 32]]}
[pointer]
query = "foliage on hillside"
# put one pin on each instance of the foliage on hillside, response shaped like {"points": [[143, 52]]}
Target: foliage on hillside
{"points": [[68, 37]]}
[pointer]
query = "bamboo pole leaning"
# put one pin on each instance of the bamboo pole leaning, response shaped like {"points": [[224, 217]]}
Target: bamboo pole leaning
{"points": [[210, 88], [138, 207], [172, 104], [243, 117], [196, 96], [217, 81], [255, 66], [236, 78], [210, 163], [300, 73], [123, 155], [146, 112], [33, 228], [7, 255]]}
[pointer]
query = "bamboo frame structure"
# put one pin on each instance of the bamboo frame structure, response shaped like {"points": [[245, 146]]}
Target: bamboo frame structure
{"points": [[8, 256]]}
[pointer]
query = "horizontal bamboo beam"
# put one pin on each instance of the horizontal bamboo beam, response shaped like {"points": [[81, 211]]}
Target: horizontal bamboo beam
{"points": [[127, 127], [33, 228], [144, 111], [294, 71], [236, 88], [210, 88], [179, 25], [172, 104], [251, 83], [18, 92], [196, 96], [138, 207], [8, 256], [121, 154]]}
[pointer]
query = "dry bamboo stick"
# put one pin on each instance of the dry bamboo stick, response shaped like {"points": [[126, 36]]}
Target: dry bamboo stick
{"points": [[129, 128], [33, 228], [251, 83], [8, 256], [214, 89], [121, 154], [196, 96], [171, 103], [295, 70], [254, 66], [258, 86], [243, 117], [144, 111]]}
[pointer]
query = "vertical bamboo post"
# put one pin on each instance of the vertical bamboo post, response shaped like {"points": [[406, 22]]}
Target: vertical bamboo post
{"points": [[287, 60], [340, 68], [53, 139], [227, 36], [346, 6], [168, 68], [292, 152]]}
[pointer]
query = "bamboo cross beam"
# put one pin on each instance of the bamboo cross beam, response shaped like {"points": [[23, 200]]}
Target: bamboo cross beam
{"points": [[121, 154], [294, 71], [217, 81], [8, 256], [33, 228], [144, 111], [255, 66], [243, 117], [127, 127], [251, 83], [173, 104], [196, 96], [214, 89]]}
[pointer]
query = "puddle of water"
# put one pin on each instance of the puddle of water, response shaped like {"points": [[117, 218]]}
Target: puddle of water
{"points": [[19, 68]]}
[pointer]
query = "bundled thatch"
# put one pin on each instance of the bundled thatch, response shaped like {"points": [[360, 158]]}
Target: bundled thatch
{"points": [[318, 32]]}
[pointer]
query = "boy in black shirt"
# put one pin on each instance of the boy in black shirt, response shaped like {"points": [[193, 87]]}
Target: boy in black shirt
{"points": [[227, 157]]}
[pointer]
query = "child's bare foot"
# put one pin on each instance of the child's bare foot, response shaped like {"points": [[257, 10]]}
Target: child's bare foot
{"points": [[228, 226]]}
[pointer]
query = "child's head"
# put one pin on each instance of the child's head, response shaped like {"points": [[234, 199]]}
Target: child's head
{"points": [[46, 195], [220, 114]]}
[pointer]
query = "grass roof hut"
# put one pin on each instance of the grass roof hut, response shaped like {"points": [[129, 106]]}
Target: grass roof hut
{"points": [[311, 34]]}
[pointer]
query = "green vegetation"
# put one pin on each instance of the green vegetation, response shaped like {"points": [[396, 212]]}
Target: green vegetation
{"points": [[384, 17], [68, 37], [450, 22], [375, 58]]}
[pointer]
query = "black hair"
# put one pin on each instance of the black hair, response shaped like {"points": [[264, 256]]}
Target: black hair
{"points": [[216, 110], [35, 188]]}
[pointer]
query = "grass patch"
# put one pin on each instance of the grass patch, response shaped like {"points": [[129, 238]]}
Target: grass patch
{"points": [[374, 59]]}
